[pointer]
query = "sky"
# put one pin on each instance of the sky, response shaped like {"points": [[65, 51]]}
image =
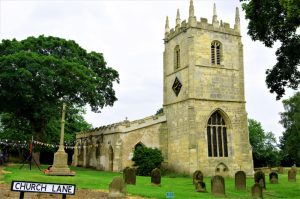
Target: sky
{"points": [[130, 36]]}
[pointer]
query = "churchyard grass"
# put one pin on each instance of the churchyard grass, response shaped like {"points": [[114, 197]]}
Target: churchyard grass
{"points": [[182, 187]]}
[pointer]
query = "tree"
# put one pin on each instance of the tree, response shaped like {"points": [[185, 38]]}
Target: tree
{"points": [[13, 128], [263, 144], [277, 20], [290, 119], [147, 159], [74, 123], [19, 129], [38, 74], [160, 111]]}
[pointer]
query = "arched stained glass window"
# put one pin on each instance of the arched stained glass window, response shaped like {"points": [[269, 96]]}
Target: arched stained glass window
{"points": [[217, 136]]}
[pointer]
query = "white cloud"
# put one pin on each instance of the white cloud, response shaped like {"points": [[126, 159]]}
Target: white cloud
{"points": [[129, 34]]}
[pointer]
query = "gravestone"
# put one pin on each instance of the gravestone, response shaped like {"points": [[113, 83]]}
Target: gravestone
{"points": [[200, 186], [117, 188], [240, 180], [292, 175], [197, 176], [273, 177], [259, 177], [294, 167], [198, 181], [218, 186], [129, 175], [256, 191], [280, 170], [156, 176]]}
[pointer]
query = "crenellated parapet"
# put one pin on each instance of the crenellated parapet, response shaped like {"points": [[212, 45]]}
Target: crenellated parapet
{"points": [[122, 127], [192, 22]]}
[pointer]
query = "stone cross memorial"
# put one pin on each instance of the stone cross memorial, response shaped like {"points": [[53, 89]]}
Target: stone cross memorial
{"points": [[60, 164], [218, 186], [240, 180]]}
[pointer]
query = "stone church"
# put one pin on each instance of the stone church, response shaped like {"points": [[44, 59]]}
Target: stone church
{"points": [[204, 124]]}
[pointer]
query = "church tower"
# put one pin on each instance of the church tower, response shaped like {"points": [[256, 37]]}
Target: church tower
{"points": [[204, 99]]}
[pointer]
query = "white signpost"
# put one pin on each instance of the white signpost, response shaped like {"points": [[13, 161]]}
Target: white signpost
{"points": [[40, 187]]}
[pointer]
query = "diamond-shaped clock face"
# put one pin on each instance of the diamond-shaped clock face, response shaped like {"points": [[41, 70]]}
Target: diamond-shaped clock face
{"points": [[176, 86]]}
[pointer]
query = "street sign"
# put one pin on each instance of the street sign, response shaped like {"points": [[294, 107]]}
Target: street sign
{"points": [[41, 187]]}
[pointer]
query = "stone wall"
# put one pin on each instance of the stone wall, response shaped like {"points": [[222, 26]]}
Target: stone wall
{"points": [[111, 147]]}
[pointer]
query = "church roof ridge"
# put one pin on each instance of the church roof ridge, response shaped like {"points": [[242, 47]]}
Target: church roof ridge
{"points": [[125, 123]]}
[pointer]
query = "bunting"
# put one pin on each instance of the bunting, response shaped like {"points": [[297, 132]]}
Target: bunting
{"points": [[25, 144]]}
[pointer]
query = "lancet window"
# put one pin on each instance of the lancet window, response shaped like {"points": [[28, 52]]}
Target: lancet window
{"points": [[217, 136], [177, 57], [216, 51]]}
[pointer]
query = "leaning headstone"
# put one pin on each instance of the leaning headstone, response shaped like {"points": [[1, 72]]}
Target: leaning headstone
{"points": [[156, 176], [197, 176], [240, 180], [256, 191], [129, 175], [218, 186], [273, 177], [292, 175], [259, 177], [117, 188]]}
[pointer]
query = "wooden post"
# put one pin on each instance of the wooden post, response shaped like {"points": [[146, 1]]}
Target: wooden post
{"points": [[21, 195]]}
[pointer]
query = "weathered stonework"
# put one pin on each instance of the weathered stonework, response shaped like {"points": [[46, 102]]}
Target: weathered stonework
{"points": [[182, 131], [111, 147]]}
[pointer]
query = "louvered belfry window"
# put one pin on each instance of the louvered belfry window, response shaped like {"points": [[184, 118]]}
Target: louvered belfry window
{"points": [[217, 136], [216, 53]]}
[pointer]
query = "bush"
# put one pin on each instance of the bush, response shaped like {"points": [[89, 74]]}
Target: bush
{"points": [[147, 159]]}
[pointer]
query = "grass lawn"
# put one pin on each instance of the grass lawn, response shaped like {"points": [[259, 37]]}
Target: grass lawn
{"points": [[182, 187]]}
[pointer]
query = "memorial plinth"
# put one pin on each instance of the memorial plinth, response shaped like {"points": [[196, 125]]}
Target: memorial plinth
{"points": [[60, 164]]}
